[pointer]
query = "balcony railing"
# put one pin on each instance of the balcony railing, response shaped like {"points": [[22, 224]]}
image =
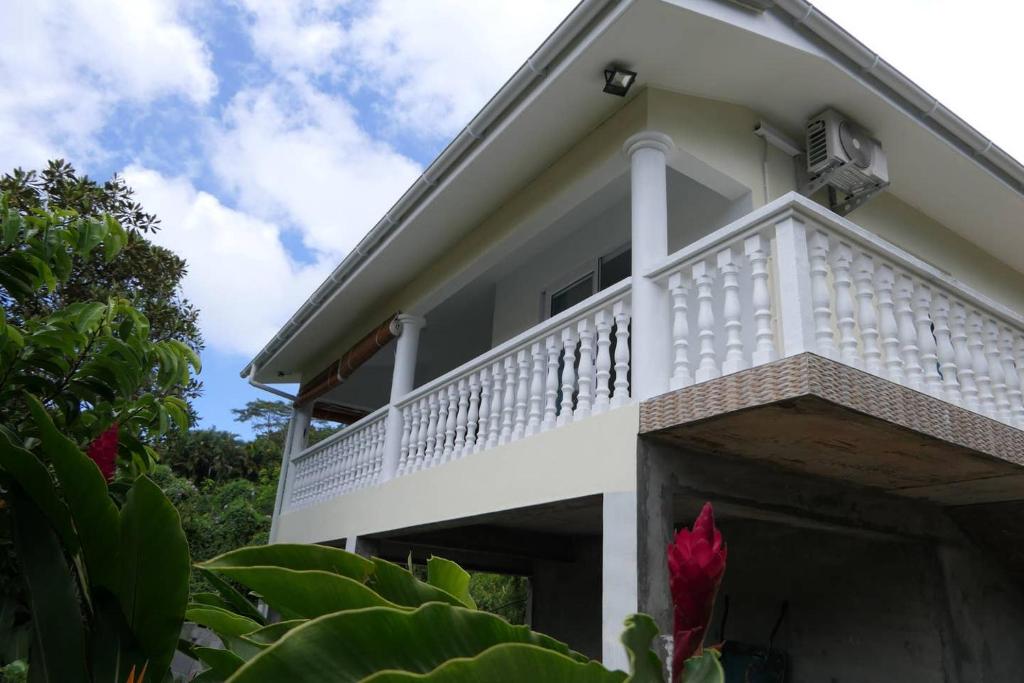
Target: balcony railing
{"points": [[569, 367], [793, 278], [788, 278]]}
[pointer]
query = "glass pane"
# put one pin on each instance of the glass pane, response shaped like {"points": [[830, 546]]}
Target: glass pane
{"points": [[578, 291], [615, 268]]}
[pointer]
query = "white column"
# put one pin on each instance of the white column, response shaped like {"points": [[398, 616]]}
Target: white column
{"points": [[295, 442], [619, 584], [651, 330], [402, 379]]}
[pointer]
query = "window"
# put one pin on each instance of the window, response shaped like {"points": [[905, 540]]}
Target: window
{"points": [[568, 297], [615, 267]]}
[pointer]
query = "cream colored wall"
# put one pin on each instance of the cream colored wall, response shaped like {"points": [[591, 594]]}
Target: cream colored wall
{"points": [[906, 227], [593, 456]]}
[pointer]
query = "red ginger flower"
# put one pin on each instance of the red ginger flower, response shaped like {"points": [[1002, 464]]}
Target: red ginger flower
{"points": [[103, 452], [696, 562]]}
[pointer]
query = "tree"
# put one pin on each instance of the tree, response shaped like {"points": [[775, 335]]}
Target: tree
{"points": [[270, 420], [98, 548], [147, 275]]}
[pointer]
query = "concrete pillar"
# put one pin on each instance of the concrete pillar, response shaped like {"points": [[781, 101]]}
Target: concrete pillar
{"points": [[402, 379], [651, 332], [619, 573], [361, 546], [654, 532], [294, 442]]}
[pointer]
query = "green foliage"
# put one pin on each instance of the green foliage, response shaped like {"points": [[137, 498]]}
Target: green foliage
{"points": [[375, 621], [104, 570], [501, 594], [143, 273], [221, 456]]}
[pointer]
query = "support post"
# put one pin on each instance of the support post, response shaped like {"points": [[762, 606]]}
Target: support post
{"points": [[650, 329], [295, 442], [796, 321], [402, 380], [619, 596]]}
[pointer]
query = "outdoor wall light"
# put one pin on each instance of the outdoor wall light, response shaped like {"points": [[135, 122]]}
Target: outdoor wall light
{"points": [[617, 81]]}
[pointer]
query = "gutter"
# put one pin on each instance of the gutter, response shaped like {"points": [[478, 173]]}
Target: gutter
{"points": [[915, 100], [266, 387], [451, 158]]}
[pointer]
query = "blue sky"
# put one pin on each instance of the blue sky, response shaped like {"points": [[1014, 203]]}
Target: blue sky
{"points": [[269, 135]]}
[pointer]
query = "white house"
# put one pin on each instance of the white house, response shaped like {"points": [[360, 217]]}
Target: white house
{"points": [[776, 274]]}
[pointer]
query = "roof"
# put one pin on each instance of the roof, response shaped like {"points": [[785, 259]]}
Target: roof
{"points": [[803, 60]]}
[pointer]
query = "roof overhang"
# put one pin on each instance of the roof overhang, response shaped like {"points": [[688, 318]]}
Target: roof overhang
{"points": [[786, 63]]}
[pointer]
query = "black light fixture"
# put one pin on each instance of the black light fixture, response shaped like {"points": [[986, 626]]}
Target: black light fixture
{"points": [[618, 81]]}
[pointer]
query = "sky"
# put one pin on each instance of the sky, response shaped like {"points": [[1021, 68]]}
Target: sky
{"points": [[270, 135]]}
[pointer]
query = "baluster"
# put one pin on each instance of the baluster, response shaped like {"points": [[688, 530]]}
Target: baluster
{"points": [[536, 389], [431, 445], [912, 370], [867, 317], [731, 312], [976, 342], [494, 427], [483, 432], [945, 351], [620, 390], [423, 443], [926, 340], [508, 402], [450, 419], [1013, 385], [888, 330], [568, 374], [355, 461], [522, 394], [707, 368], [585, 379], [841, 261], [964, 360], [679, 292], [603, 362], [821, 298], [410, 428], [461, 417], [363, 445], [764, 339], [378, 451], [995, 371], [1018, 359], [440, 427], [553, 349], [473, 416]]}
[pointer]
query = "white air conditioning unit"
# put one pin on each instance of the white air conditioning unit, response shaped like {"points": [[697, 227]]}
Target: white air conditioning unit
{"points": [[846, 157]]}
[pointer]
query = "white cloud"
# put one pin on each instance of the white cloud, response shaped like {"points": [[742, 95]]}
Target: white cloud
{"points": [[294, 154], [302, 34], [966, 55], [239, 274], [65, 65]]}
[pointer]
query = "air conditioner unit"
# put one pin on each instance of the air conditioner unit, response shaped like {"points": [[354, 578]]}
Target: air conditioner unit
{"points": [[846, 157]]}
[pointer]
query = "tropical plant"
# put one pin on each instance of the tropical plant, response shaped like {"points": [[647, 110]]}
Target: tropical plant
{"points": [[347, 618], [103, 568], [696, 563]]}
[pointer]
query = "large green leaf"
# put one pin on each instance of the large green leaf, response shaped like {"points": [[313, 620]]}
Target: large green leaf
{"points": [[58, 650], [450, 577], [115, 650], [637, 638], [704, 668], [508, 663], [220, 621], [398, 585], [231, 596], [348, 646], [268, 635], [93, 512], [154, 572], [36, 483], [222, 663], [296, 556], [305, 594]]}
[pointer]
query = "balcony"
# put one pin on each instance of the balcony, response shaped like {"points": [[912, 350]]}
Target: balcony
{"points": [[787, 281]]}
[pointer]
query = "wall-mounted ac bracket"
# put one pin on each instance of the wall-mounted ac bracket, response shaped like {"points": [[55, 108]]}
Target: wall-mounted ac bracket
{"points": [[839, 202]]}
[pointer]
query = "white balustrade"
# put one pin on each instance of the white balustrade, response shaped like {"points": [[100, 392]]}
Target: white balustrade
{"points": [[868, 304], [350, 459], [564, 370]]}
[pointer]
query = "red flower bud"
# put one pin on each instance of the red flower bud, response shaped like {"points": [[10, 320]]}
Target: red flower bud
{"points": [[696, 562], [103, 452]]}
